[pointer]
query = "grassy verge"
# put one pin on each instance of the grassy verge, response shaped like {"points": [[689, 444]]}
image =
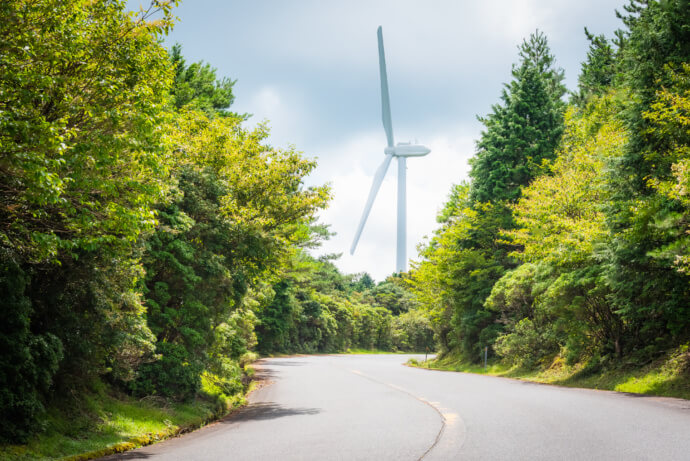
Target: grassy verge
{"points": [[667, 376], [373, 351], [351, 351], [103, 422]]}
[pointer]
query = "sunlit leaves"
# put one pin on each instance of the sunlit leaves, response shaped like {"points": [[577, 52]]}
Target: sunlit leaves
{"points": [[669, 117], [82, 85], [560, 217]]}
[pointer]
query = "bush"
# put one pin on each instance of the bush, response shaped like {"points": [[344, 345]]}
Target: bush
{"points": [[412, 332], [172, 375], [525, 345], [28, 361]]}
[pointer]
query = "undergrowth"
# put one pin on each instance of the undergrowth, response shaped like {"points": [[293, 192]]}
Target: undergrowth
{"points": [[667, 376], [103, 421]]}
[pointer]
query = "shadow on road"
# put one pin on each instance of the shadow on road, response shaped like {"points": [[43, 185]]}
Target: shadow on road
{"points": [[268, 410], [262, 374], [128, 455]]}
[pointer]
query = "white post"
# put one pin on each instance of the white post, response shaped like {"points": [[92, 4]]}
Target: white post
{"points": [[401, 255]]}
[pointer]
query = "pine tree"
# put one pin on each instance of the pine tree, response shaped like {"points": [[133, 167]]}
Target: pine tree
{"points": [[598, 71], [524, 130]]}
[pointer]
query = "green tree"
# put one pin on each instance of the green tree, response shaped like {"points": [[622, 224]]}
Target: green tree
{"points": [[648, 292], [235, 217], [197, 86], [470, 251], [598, 71], [82, 162], [390, 295], [524, 130], [669, 116]]}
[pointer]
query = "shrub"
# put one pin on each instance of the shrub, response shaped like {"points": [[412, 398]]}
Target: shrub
{"points": [[525, 345]]}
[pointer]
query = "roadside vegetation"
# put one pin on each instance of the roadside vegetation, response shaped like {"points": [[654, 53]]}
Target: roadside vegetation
{"points": [[151, 243], [666, 376], [566, 255]]}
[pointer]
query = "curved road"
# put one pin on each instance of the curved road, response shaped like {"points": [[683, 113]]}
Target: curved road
{"points": [[370, 407]]}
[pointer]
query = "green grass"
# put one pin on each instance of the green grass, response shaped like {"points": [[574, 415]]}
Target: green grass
{"points": [[353, 351], [102, 423], [357, 351], [667, 376]]}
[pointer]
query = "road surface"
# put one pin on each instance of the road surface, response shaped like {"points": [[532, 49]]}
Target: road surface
{"points": [[371, 407]]}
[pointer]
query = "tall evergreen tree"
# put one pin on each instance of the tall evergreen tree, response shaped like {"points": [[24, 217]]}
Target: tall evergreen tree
{"points": [[524, 130], [469, 250], [598, 71]]}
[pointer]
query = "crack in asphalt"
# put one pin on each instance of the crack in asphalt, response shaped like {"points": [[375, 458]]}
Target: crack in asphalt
{"points": [[444, 420]]}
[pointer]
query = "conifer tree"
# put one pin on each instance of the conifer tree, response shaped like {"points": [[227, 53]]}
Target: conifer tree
{"points": [[598, 71], [524, 130]]}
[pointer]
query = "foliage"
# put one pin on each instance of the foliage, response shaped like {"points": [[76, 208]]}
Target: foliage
{"points": [[137, 212], [649, 293], [28, 361], [669, 116], [82, 154], [391, 295], [599, 221], [560, 218], [522, 132], [471, 250], [237, 209], [196, 86], [525, 344], [315, 308], [412, 332], [82, 162], [597, 72]]}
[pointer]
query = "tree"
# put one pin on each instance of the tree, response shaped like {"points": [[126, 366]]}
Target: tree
{"points": [[598, 71], [237, 212], [82, 159], [82, 162], [669, 116], [648, 292], [522, 132], [470, 252], [390, 295], [562, 230], [197, 86]]}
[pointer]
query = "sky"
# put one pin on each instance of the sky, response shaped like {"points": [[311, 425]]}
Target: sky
{"points": [[310, 68]]}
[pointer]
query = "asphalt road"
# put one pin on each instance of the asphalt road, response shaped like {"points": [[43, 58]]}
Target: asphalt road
{"points": [[370, 407]]}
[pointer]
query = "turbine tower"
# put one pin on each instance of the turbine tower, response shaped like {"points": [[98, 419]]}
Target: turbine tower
{"points": [[401, 151]]}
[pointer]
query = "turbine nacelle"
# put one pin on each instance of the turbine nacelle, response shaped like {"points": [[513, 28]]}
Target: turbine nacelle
{"points": [[406, 149]]}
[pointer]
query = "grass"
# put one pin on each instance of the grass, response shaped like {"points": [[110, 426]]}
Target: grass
{"points": [[350, 351], [357, 351], [103, 422], [668, 376]]}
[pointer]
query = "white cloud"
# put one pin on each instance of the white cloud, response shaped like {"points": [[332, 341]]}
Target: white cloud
{"points": [[283, 108], [429, 180]]}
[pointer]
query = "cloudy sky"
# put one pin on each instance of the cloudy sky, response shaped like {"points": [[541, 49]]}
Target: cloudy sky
{"points": [[310, 67]]}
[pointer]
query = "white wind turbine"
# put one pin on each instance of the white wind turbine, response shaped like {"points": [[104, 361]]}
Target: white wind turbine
{"points": [[401, 151]]}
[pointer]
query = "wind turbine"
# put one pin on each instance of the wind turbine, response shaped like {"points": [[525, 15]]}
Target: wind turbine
{"points": [[401, 151]]}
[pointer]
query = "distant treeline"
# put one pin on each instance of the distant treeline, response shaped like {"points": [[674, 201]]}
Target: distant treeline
{"points": [[148, 239], [572, 238]]}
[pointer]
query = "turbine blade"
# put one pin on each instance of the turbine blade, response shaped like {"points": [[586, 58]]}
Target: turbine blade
{"points": [[375, 186], [385, 99]]}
